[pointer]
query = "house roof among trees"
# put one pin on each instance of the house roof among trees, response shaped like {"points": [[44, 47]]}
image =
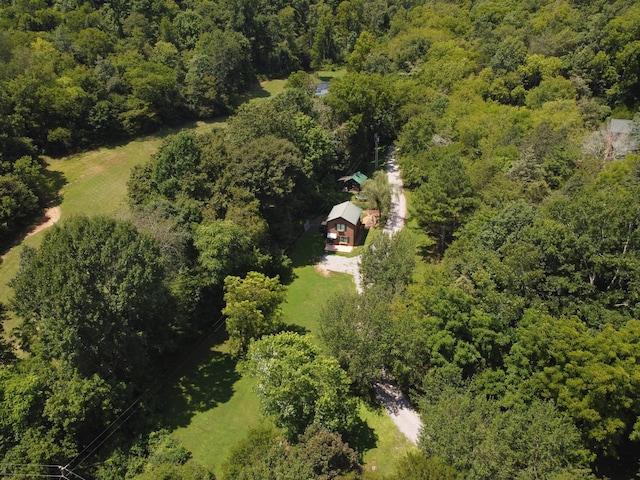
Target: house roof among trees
{"points": [[346, 210], [358, 177]]}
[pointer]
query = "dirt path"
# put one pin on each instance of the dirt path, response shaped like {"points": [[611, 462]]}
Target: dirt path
{"points": [[394, 401], [51, 216], [399, 409]]}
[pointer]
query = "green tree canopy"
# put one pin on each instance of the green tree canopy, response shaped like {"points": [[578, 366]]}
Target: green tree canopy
{"points": [[477, 437], [252, 308], [225, 249], [389, 261], [592, 376], [298, 386], [378, 191], [93, 295], [444, 201], [264, 454]]}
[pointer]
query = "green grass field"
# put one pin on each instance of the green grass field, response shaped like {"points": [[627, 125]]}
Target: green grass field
{"points": [[268, 88], [92, 183], [212, 406], [211, 428]]}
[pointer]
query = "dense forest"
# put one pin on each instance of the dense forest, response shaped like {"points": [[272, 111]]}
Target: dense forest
{"points": [[509, 309]]}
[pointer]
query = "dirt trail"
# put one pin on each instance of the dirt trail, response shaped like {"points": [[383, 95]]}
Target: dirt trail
{"points": [[50, 217]]}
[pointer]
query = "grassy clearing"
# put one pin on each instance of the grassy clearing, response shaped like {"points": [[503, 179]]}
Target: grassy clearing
{"points": [[310, 290], [328, 75], [391, 444], [265, 89], [212, 406], [269, 88], [210, 428], [92, 183], [308, 293]]}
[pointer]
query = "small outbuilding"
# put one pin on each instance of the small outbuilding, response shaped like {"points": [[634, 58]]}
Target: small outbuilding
{"points": [[352, 182], [344, 226]]}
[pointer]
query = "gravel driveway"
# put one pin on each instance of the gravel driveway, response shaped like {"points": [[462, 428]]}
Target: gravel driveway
{"points": [[338, 263], [398, 212], [396, 404]]}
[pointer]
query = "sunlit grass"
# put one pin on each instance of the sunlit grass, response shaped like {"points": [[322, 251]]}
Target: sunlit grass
{"points": [[328, 75], [94, 183], [391, 444], [210, 433]]}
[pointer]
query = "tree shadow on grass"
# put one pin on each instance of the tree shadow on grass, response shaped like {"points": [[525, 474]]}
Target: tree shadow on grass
{"points": [[308, 249], [291, 327], [361, 437], [57, 181], [205, 382]]}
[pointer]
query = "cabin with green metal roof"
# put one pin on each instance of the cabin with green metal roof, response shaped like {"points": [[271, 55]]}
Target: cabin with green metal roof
{"points": [[344, 225], [352, 182]]}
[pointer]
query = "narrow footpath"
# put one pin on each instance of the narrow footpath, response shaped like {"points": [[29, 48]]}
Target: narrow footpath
{"points": [[394, 401]]}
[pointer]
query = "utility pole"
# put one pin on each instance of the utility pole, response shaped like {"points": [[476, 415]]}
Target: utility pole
{"points": [[376, 139]]}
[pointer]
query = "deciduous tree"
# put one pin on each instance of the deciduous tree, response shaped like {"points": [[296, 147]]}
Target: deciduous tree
{"points": [[298, 386], [389, 261], [476, 436], [93, 296], [252, 308]]}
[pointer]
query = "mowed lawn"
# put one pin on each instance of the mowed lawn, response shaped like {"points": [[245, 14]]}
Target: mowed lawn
{"points": [[210, 433], [93, 183], [268, 88]]}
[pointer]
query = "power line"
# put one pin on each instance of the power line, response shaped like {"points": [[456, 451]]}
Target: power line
{"points": [[114, 424], [63, 471], [28, 465], [38, 475]]}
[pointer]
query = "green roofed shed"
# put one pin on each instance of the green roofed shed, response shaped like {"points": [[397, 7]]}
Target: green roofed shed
{"points": [[352, 182], [359, 177]]}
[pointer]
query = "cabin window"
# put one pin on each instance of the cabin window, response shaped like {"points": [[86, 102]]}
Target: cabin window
{"points": [[341, 227], [343, 240]]}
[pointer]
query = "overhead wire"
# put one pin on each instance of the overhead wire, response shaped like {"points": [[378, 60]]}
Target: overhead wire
{"points": [[4, 473], [35, 475], [4, 464], [152, 390]]}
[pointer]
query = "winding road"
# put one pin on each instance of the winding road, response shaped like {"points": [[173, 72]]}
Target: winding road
{"points": [[394, 401]]}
